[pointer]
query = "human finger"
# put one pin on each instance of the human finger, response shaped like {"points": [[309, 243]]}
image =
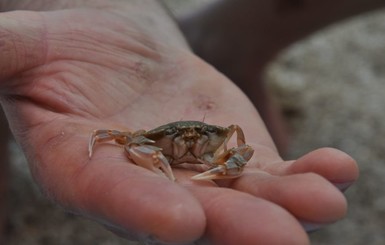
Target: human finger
{"points": [[234, 217], [334, 165], [307, 196]]}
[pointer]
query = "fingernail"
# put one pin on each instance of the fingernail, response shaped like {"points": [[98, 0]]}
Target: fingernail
{"points": [[310, 227], [343, 186]]}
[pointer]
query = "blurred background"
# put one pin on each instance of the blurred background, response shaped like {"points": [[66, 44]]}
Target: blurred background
{"points": [[331, 87]]}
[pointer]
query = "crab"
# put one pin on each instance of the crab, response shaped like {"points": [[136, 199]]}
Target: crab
{"points": [[177, 143]]}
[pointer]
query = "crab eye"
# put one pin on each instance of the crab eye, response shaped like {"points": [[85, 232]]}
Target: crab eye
{"points": [[210, 129], [170, 131]]}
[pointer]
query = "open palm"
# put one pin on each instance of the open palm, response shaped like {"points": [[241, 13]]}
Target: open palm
{"points": [[66, 73]]}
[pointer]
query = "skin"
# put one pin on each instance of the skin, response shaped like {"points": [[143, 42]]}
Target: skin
{"points": [[64, 73]]}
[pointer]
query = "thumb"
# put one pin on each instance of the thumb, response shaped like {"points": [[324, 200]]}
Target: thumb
{"points": [[22, 44]]}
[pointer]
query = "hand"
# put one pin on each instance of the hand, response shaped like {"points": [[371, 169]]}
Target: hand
{"points": [[65, 73]]}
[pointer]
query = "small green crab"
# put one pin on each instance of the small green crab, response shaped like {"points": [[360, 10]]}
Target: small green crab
{"points": [[191, 142]]}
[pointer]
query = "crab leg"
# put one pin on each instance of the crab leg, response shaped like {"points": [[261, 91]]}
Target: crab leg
{"points": [[151, 158], [230, 164], [103, 135], [240, 139], [147, 156]]}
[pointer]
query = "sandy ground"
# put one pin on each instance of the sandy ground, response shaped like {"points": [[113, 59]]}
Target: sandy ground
{"points": [[332, 90]]}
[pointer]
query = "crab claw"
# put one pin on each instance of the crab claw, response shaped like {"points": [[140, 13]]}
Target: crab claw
{"points": [[150, 157], [231, 168], [226, 171], [214, 173]]}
